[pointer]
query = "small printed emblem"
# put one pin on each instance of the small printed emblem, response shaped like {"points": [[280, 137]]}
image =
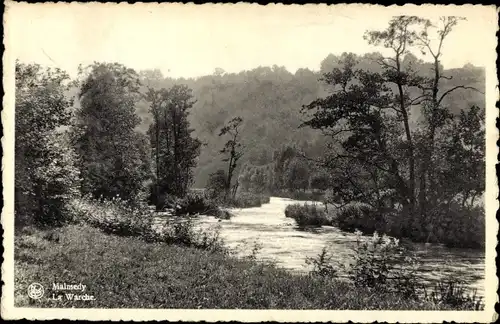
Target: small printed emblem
{"points": [[35, 291]]}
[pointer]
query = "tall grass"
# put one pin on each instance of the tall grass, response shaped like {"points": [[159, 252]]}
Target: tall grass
{"points": [[127, 272]]}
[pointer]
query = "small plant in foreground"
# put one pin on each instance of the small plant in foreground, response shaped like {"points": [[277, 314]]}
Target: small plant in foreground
{"points": [[381, 263], [255, 250], [454, 293], [322, 265]]}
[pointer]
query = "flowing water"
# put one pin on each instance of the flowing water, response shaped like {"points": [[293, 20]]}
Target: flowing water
{"points": [[288, 246]]}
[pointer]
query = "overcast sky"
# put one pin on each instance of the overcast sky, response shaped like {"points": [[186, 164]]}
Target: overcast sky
{"points": [[189, 41]]}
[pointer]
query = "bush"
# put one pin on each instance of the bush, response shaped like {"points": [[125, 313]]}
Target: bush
{"points": [[307, 214], [114, 216], [183, 232], [381, 263], [462, 227], [47, 184], [196, 203], [322, 265], [248, 200], [357, 216], [452, 225], [120, 218]]}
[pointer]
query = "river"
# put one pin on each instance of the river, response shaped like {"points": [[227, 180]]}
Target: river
{"points": [[288, 246]]}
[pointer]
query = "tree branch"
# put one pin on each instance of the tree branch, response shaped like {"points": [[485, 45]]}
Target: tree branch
{"points": [[453, 89]]}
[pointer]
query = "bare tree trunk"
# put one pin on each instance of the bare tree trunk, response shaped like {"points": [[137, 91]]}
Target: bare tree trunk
{"points": [[157, 193], [411, 153]]}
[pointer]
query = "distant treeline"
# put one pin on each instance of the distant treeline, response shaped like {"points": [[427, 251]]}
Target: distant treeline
{"points": [[269, 99]]}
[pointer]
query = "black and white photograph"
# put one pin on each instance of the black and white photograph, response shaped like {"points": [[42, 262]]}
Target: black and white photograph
{"points": [[249, 163]]}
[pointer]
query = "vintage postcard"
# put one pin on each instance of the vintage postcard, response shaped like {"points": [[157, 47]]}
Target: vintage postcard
{"points": [[241, 162]]}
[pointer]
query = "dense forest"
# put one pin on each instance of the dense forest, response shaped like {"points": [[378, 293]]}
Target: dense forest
{"points": [[269, 99]]}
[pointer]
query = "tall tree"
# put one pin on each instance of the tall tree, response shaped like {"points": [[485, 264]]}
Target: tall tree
{"points": [[113, 156], [155, 98], [45, 174], [174, 148], [367, 116], [232, 150], [399, 37], [433, 96], [296, 175]]}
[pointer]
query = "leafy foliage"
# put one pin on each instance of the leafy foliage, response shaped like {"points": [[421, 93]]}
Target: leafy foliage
{"points": [[357, 216], [380, 156], [216, 185], [46, 176], [175, 150], [247, 200], [114, 216], [114, 158], [322, 265], [256, 179], [197, 203], [454, 293], [380, 262], [307, 214]]}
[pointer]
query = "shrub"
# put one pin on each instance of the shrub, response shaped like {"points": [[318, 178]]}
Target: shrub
{"points": [[46, 177], [114, 216], [307, 214], [302, 195], [452, 225], [196, 203], [183, 232], [216, 185], [357, 216], [381, 263], [462, 227], [248, 200], [322, 265], [119, 217]]}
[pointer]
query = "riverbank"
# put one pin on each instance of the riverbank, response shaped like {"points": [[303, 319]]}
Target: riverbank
{"points": [[455, 228], [127, 272], [280, 240]]}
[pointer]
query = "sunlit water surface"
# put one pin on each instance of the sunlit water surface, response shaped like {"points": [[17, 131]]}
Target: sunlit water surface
{"points": [[280, 241]]}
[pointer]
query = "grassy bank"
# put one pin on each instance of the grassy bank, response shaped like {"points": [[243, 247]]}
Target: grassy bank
{"points": [[128, 272]]}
